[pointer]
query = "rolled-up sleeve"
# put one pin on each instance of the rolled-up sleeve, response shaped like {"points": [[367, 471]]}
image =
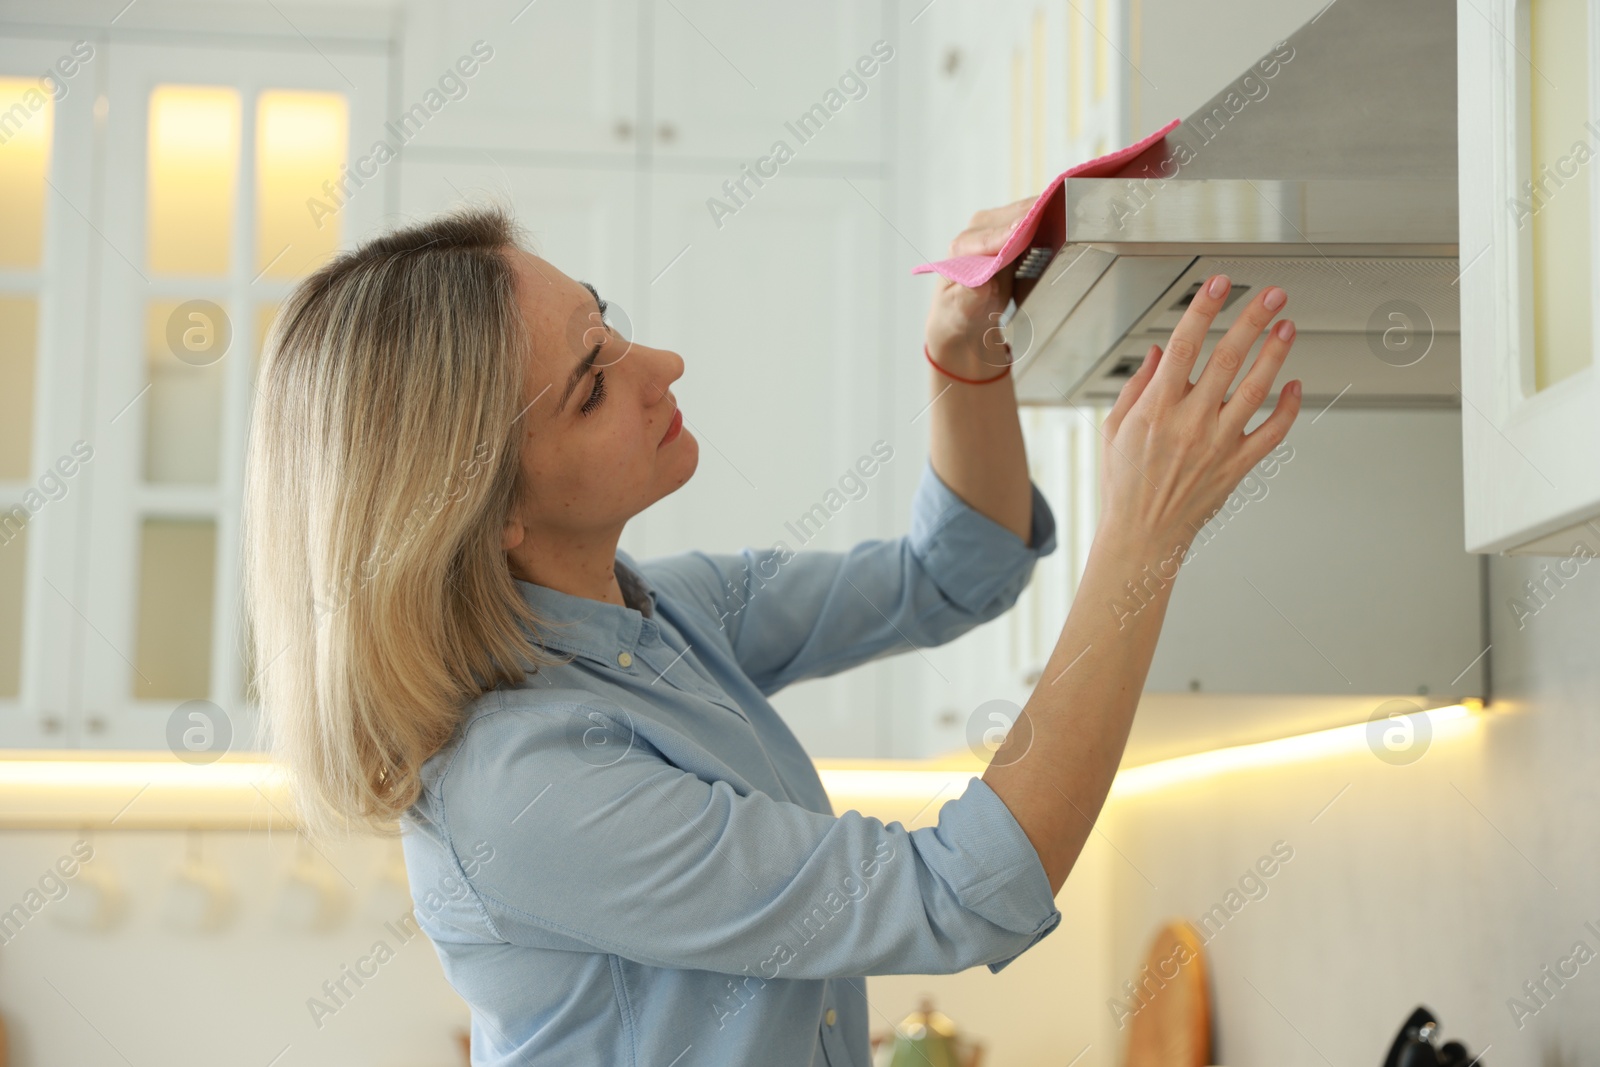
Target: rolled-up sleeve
{"points": [[981, 850], [642, 859], [979, 565], [794, 615]]}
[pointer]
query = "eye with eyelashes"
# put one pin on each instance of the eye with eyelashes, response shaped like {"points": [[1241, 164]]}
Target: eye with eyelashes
{"points": [[596, 394]]}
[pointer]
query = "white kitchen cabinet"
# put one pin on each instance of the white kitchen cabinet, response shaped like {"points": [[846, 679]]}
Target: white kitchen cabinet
{"points": [[692, 82], [144, 549], [778, 316], [1528, 114], [158, 210], [775, 305], [731, 79], [563, 77], [46, 141]]}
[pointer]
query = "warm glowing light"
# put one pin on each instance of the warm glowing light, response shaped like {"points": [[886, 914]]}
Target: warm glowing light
{"points": [[118, 774], [27, 119], [301, 138], [1443, 722], [193, 178], [907, 782], [19, 333], [125, 792], [1560, 227], [67, 790]]}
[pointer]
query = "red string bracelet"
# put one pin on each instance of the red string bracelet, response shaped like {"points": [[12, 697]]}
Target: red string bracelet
{"points": [[968, 381]]}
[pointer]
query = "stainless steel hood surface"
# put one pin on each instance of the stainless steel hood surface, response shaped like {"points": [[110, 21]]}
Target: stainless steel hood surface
{"points": [[1329, 168]]}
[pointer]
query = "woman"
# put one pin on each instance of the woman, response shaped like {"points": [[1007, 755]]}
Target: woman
{"points": [[620, 852]]}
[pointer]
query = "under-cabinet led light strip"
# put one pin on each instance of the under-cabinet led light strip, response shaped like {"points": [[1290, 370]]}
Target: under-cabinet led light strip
{"points": [[60, 787]]}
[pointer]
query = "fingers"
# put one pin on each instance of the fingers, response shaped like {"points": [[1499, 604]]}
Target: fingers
{"points": [[1132, 389], [1178, 358], [984, 241], [1257, 384], [989, 229], [1001, 216], [1234, 348], [1270, 434]]}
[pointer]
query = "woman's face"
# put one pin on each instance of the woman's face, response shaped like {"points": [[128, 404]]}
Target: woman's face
{"points": [[600, 443]]}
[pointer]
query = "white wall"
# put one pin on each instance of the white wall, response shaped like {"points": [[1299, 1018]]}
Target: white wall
{"points": [[1448, 882], [140, 993]]}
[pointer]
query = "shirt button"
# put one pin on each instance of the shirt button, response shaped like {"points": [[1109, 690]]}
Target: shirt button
{"points": [[624, 659], [831, 1018]]}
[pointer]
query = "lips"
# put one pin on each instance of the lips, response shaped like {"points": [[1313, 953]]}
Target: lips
{"points": [[674, 425]]}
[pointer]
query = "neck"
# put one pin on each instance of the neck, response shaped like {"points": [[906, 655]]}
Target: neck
{"points": [[584, 567]]}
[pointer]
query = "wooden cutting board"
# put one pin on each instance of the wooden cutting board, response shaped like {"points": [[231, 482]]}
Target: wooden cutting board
{"points": [[1170, 1025]]}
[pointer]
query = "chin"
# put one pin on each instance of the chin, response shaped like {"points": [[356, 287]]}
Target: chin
{"points": [[688, 455], [679, 466]]}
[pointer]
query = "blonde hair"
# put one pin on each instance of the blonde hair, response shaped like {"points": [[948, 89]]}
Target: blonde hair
{"points": [[382, 463]]}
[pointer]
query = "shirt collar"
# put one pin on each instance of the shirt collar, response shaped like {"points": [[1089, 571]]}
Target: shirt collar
{"points": [[594, 628]]}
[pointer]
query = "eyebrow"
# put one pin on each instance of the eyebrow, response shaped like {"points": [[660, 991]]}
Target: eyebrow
{"points": [[586, 364]]}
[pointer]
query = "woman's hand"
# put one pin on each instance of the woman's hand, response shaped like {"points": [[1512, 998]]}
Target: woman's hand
{"points": [[962, 331], [1176, 449]]}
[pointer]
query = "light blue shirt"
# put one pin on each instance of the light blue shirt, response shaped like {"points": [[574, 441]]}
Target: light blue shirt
{"points": [[630, 859]]}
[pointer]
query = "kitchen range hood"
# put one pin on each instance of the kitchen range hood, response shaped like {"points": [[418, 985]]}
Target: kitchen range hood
{"points": [[1328, 168]]}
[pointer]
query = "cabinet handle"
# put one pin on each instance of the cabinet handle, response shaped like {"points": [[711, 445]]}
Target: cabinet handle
{"points": [[97, 724], [50, 724], [623, 129], [666, 132]]}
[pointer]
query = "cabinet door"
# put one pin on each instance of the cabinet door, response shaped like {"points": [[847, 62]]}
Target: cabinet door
{"points": [[228, 183], [46, 123], [1529, 132], [1010, 99], [781, 320], [561, 78], [778, 319], [732, 80]]}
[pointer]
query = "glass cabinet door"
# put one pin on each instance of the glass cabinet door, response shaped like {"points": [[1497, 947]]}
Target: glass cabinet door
{"points": [[46, 102], [1529, 152], [1555, 216], [227, 182]]}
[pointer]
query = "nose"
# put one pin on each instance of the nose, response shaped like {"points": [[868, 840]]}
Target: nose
{"points": [[665, 367]]}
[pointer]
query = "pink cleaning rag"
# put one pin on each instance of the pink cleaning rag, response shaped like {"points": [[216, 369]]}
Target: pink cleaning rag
{"points": [[973, 271]]}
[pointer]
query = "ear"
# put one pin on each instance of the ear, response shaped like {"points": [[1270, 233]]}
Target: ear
{"points": [[513, 533]]}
